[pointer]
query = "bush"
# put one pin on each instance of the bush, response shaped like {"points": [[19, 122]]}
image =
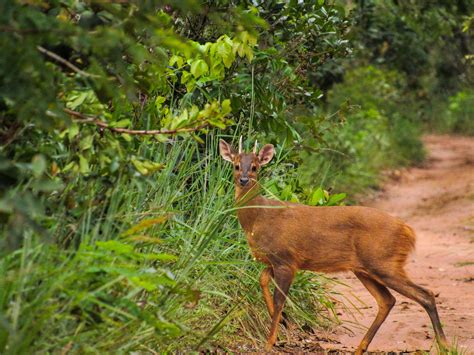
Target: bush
{"points": [[460, 112], [374, 130]]}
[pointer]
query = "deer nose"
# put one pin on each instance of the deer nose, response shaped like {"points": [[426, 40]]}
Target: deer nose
{"points": [[244, 181]]}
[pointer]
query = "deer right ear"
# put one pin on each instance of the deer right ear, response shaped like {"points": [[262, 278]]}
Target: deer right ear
{"points": [[227, 152], [266, 154]]}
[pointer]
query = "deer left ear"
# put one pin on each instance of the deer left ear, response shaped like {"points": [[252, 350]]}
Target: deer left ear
{"points": [[227, 152], [266, 154]]}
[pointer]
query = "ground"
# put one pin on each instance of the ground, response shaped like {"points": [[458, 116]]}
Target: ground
{"points": [[437, 200]]}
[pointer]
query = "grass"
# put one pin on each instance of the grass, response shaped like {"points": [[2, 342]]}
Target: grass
{"points": [[112, 282]]}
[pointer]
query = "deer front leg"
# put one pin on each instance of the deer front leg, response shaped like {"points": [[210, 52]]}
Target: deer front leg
{"points": [[265, 279], [283, 276]]}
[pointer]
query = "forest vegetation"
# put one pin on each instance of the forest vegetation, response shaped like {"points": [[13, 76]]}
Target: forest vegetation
{"points": [[117, 222]]}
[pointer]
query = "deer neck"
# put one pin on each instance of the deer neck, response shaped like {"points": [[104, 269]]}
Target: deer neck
{"points": [[245, 198]]}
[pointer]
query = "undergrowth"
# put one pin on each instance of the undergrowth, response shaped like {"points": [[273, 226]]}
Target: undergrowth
{"points": [[151, 260]]}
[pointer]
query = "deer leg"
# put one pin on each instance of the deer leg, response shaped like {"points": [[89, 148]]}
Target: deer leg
{"points": [[265, 279], [385, 301], [403, 285], [283, 276]]}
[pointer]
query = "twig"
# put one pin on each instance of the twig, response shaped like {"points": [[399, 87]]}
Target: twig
{"points": [[65, 62], [81, 118]]}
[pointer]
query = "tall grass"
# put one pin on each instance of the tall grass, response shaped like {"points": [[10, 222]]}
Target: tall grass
{"points": [[150, 262]]}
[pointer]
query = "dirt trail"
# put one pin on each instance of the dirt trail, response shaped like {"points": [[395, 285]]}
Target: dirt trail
{"points": [[437, 200]]}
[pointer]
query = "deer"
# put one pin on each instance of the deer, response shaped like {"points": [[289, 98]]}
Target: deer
{"points": [[288, 237]]}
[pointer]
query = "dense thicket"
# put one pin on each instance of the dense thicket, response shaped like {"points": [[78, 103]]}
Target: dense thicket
{"points": [[117, 226]]}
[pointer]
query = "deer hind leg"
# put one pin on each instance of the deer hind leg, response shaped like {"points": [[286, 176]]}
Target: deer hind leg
{"points": [[403, 285], [385, 301], [283, 276], [265, 278]]}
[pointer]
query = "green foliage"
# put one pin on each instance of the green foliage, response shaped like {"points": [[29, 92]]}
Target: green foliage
{"points": [[151, 264], [370, 132], [459, 115], [117, 226]]}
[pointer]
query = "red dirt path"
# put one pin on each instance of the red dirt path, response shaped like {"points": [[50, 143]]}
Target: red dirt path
{"points": [[437, 200]]}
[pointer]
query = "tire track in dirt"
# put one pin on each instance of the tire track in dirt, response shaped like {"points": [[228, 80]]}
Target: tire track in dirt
{"points": [[437, 200]]}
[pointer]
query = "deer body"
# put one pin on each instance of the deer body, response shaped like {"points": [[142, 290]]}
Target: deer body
{"points": [[288, 237], [331, 239]]}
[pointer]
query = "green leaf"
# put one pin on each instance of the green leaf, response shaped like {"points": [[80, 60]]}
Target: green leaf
{"points": [[116, 246], [225, 107], [121, 123], [224, 50], [72, 131], [334, 199], [217, 123], [83, 165], [78, 100], [176, 59], [38, 165], [86, 142], [199, 67], [139, 166], [47, 185], [317, 197], [143, 283]]}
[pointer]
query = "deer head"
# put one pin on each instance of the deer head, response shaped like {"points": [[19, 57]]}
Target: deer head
{"points": [[246, 165]]}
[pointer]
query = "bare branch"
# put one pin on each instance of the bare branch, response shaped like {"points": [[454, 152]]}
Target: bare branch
{"points": [[65, 62], [81, 118]]}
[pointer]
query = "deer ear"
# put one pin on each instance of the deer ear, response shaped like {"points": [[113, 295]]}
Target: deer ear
{"points": [[266, 154], [227, 152]]}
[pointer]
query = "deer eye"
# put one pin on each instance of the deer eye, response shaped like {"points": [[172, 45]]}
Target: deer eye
{"points": [[254, 168], [237, 167]]}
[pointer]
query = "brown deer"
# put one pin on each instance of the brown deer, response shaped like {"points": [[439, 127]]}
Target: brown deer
{"points": [[288, 237]]}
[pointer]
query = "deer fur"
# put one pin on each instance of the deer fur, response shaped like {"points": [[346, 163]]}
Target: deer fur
{"points": [[288, 237]]}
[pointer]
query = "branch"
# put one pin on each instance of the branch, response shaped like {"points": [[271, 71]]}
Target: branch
{"points": [[81, 118], [65, 62]]}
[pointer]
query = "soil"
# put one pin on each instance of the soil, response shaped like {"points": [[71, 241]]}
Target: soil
{"points": [[437, 200]]}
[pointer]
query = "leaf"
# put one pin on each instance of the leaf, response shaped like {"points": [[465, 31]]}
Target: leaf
{"points": [[159, 102], [121, 123], [86, 142], [72, 131], [224, 50], [334, 199], [317, 197], [38, 165], [47, 185], [116, 246], [248, 53], [176, 59], [139, 166], [198, 68], [217, 123], [83, 165], [225, 107], [143, 283], [152, 166], [78, 100]]}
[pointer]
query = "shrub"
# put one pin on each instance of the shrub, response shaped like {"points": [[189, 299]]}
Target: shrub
{"points": [[460, 112], [375, 130]]}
